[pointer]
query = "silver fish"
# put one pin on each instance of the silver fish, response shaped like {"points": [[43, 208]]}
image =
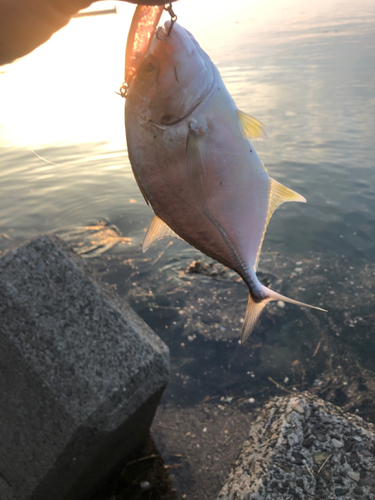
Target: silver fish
{"points": [[190, 150]]}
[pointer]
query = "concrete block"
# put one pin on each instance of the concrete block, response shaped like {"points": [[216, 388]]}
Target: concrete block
{"points": [[302, 448], [80, 374]]}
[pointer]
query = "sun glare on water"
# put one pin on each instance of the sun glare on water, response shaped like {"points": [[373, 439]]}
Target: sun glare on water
{"points": [[64, 92]]}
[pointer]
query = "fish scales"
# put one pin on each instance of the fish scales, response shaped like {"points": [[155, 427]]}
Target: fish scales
{"points": [[190, 152]]}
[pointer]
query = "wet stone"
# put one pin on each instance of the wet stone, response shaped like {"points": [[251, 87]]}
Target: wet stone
{"points": [[314, 470]]}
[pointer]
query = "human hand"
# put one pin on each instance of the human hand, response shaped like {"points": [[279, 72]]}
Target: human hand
{"points": [[26, 24]]}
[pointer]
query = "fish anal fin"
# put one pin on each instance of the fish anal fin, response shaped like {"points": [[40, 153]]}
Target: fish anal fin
{"points": [[255, 307], [250, 126], [157, 231], [278, 194]]}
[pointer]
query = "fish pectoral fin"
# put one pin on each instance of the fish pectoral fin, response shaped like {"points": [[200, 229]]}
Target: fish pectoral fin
{"points": [[196, 153], [254, 310], [250, 126], [156, 231]]}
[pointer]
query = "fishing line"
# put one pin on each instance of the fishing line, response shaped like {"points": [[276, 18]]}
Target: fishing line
{"points": [[44, 159]]}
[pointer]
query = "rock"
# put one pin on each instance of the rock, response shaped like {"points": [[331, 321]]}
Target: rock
{"points": [[293, 439], [299, 408], [354, 475], [81, 374], [337, 444], [368, 480], [273, 464], [320, 457]]}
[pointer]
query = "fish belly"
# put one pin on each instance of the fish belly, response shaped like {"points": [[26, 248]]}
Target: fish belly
{"points": [[158, 159]]}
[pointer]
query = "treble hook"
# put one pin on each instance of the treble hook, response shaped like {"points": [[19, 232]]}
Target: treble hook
{"points": [[168, 8], [123, 90]]}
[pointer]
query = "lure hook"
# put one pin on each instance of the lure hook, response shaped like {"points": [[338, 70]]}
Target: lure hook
{"points": [[123, 90], [169, 9]]}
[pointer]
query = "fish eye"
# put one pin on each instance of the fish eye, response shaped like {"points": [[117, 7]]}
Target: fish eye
{"points": [[147, 69]]}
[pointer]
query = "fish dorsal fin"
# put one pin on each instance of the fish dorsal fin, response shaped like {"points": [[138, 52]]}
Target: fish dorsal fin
{"points": [[156, 231], [251, 127], [278, 194]]}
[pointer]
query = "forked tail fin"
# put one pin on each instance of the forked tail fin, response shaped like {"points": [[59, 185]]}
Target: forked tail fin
{"points": [[254, 310]]}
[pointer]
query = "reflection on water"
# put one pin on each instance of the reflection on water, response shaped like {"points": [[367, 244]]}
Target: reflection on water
{"points": [[307, 72], [93, 241]]}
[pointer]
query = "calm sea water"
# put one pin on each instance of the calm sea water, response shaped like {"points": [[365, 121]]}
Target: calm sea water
{"points": [[308, 73]]}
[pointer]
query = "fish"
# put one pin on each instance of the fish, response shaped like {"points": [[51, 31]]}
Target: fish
{"points": [[191, 154]]}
